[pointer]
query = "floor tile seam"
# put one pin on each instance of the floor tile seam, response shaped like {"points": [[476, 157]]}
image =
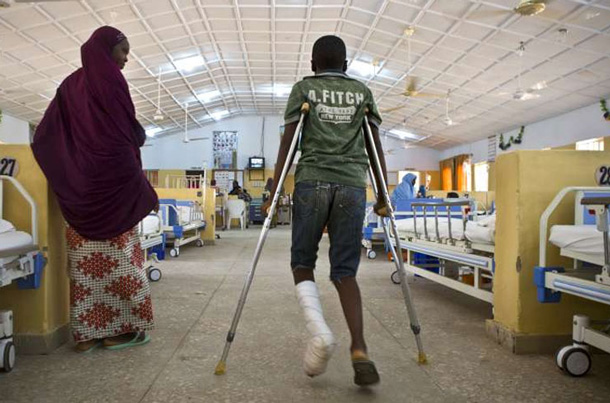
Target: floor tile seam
{"points": [[182, 340], [397, 341]]}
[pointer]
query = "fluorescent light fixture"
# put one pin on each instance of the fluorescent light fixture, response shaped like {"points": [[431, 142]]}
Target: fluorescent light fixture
{"points": [[189, 64], [404, 135], [360, 68], [219, 115], [209, 96], [153, 131], [282, 90]]}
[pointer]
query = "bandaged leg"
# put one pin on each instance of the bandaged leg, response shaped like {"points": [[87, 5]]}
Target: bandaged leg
{"points": [[322, 343]]}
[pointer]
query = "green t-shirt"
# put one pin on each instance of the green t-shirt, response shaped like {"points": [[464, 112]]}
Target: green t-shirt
{"points": [[332, 144]]}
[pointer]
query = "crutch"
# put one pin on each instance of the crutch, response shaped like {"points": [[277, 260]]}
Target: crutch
{"points": [[397, 253], [222, 364]]}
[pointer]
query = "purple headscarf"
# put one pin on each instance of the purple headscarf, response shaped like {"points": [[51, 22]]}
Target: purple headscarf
{"points": [[88, 146]]}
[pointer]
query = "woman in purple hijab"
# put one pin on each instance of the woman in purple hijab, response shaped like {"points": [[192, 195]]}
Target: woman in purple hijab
{"points": [[88, 146]]}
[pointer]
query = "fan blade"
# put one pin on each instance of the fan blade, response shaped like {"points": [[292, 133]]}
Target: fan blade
{"points": [[393, 109], [529, 96], [428, 95], [412, 84], [200, 139], [486, 14], [37, 1]]}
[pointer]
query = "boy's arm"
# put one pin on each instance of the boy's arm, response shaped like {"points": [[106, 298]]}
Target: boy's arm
{"points": [[380, 205], [282, 155]]}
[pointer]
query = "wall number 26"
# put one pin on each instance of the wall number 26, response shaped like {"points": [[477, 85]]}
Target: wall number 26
{"points": [[602, 176], [8, 166]]}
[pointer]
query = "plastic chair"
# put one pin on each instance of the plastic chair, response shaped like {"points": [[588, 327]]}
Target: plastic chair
{"points": [[237, 210]]}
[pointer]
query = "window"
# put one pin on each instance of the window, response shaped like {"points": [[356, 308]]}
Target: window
{"points": [[591, 145], [481, 177], [153, 177], [467, 169]]}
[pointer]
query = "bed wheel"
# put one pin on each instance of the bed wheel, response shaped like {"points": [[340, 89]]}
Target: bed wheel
{"points": [[174, 252], [154, 274], [574, 360], [8, 357], [371, 254], [199, 243], [395, 277]]}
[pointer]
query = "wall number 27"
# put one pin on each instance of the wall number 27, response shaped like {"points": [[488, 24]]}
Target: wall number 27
{"points": [[8, 166], [602, 175]]}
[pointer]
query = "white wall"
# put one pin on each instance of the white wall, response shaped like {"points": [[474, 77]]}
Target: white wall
{"points": [[171, 153], [14, 131], [580, 124]]}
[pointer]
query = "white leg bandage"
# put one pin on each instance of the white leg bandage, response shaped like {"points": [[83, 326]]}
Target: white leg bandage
{"points": [[322, 343]]}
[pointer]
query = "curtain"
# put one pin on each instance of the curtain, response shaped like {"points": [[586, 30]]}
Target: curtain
{"points": [[447, 167], [462, 165]]}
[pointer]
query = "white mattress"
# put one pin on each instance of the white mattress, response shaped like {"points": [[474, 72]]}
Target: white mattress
{"points": [[584, 239], [150, 225], [457, 227], [6, 226], [10, 238], [482, 231], [15, 239]]}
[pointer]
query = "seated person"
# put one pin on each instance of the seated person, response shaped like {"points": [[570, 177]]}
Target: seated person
{"points": [[236, 189], [421, 193], [269, 185], [406, 189], [244, 195]]}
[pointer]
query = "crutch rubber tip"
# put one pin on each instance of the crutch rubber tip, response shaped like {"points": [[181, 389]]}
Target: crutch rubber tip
{"points": [[221, 368], [422, 359], [305, 107]]}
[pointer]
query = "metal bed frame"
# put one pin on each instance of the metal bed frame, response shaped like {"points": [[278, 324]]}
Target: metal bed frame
{"points": [[592, 283], [449, 251], [155, 242], [26, 269]]}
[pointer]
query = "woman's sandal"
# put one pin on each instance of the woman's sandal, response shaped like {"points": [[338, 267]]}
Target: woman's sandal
{"points": [[139, 339], [85, 347]]}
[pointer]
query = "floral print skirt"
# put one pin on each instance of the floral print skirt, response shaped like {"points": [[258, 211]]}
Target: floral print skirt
{"points": [[109, 289]]}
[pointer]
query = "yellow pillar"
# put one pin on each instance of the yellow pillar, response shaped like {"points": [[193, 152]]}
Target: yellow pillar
{"points": [[41, 316], [529, 181]]}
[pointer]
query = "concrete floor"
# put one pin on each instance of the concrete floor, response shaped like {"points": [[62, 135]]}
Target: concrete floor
{"points": [[194, 304]]}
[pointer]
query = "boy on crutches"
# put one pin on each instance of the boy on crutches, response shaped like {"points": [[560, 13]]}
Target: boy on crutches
{"points": [[331, 180]]}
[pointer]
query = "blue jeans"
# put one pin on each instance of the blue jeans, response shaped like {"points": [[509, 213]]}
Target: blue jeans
{"points": [[341, 209]]}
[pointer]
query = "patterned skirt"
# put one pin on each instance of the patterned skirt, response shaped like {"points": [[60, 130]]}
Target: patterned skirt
{"points": [[109, 290]]}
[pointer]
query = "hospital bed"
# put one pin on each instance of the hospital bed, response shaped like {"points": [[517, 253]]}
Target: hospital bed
{"points": [[183, 223], [447, 241], [20, 260], [152, 240], [586, 242]]}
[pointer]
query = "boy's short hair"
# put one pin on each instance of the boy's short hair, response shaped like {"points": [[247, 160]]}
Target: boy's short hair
{"points": [[329, 52]]}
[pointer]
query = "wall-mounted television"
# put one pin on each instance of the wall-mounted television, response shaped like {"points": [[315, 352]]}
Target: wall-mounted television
{"points": [[256, 163]]}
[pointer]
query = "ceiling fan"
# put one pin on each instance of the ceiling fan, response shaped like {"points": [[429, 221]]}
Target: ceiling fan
{"points": [[525, 8], [8, 3], [158, 116], [448, 121], [528, 8], [411, 90], [186, 138], [524, 94]]}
